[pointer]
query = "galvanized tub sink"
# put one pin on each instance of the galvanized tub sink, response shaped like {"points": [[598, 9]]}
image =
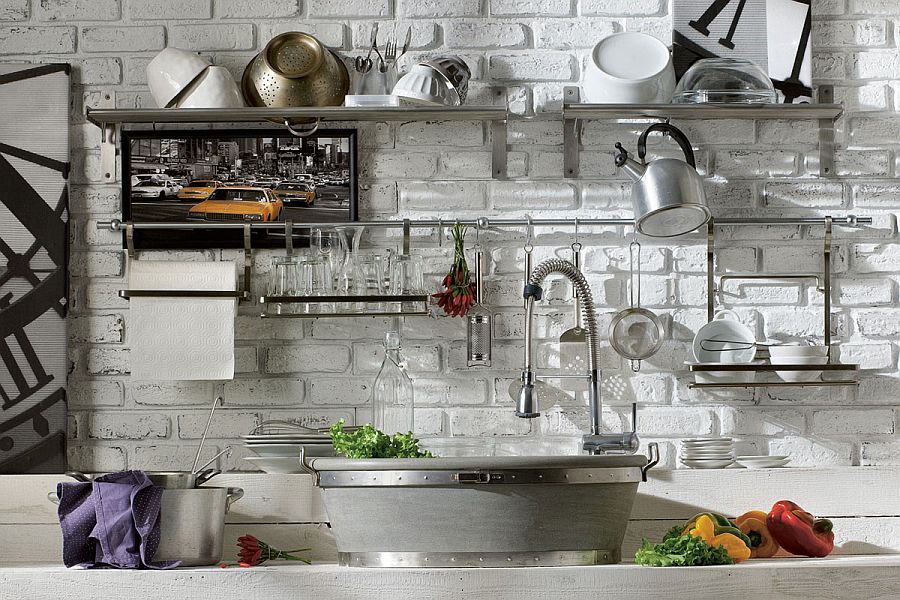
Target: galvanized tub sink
{"points": [[509, 511]]}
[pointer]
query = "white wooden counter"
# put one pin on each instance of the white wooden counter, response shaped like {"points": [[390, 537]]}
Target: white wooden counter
{"points": [[850, 577]]}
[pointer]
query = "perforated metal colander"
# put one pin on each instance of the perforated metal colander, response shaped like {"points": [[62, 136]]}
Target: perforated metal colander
{"points": [[295, 69]]}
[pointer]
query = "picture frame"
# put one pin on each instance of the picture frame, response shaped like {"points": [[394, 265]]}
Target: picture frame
{"points": [[236, 175]]}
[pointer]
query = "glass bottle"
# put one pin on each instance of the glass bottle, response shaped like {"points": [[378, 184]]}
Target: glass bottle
{"points": [[392, 394]]}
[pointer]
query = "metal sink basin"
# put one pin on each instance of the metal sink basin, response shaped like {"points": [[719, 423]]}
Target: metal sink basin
{"points": [[509, 511]]}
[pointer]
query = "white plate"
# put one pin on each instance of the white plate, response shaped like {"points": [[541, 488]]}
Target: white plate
{"points": [[762, 462], [707, 464], [707, 455], [275, 464], [291, 450], [706, 440], [281, 436], [725, 326]]}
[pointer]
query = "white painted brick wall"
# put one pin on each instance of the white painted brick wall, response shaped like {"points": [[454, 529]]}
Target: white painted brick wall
{"points": [[318, 371]]}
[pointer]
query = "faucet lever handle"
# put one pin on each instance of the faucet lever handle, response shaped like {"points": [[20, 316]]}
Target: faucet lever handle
{"points": [[634, 417]]}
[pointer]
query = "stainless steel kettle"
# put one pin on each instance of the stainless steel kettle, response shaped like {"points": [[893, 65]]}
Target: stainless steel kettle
{"points": [[667, 194]]}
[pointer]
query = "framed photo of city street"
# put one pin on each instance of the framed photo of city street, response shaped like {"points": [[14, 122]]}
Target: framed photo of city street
{"points": [[236, 175]]}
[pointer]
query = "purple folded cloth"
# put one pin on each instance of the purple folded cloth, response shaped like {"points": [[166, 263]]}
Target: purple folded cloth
{"points": [[113, 521]]}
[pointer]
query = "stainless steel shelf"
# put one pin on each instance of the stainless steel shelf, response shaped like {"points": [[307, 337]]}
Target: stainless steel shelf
{"points": [[110, 121], [822, 383], [701, 111], [406, 304], [574, 112], [121, 116], [766, 367]]}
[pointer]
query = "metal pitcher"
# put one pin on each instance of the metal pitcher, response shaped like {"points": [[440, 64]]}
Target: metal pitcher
{"points": [[667, 194]]}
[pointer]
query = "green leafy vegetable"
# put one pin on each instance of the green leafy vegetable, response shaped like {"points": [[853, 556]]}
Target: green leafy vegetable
{"points": [[368, 442], [673, 532], [681, 551]]}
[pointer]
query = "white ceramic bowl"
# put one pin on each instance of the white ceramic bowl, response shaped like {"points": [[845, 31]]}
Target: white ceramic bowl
{"points": [[629, 68], [215, 88], [784, 350], [170, 72], [291, 450], [725, 325], [424, 85], [798, 376]]}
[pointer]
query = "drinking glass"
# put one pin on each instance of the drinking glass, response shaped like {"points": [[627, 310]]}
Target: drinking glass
{"points": [[286, 281], [316, 280], [370, 281]]}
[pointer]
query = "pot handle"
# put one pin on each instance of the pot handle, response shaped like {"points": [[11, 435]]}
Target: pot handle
{"points": [[727, 314], [675, 133], [204, 476], [78, 476], [52, 497], [306, 467], [652, 459], [234, 494]]}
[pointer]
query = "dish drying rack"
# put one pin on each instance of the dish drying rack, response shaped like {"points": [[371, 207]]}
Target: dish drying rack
{"points": [[418, 304], [823, 285]]}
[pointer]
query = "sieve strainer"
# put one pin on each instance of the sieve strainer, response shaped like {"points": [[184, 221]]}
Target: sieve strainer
{"points": [[295, 70], [635, 333]]}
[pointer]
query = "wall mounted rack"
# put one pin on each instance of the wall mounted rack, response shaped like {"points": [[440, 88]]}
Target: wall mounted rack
{"points": [[110, 121], [823, 284], [574, 113], [406, 304]]}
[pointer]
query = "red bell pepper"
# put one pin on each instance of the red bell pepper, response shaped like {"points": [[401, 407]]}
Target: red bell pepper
{"points": [[799, 532]]}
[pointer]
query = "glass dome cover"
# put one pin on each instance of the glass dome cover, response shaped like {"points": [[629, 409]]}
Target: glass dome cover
{"points": [[725, 80]]}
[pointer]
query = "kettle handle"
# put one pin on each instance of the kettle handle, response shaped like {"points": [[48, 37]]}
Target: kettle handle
{"points": [[676, 135]]}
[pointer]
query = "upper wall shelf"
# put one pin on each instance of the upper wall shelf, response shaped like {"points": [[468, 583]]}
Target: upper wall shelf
{"points": [[574, 112], [108, 119]]}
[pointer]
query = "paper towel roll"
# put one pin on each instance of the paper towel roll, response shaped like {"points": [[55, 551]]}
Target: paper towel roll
{"points": [[181, 338]]}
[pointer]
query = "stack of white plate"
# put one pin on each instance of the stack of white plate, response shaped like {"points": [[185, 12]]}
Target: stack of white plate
{"points": [[707, 453], [762, 462], [280, 452]]}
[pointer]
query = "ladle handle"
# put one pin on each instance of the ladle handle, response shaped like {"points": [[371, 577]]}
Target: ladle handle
{"points": [[675, 133]]}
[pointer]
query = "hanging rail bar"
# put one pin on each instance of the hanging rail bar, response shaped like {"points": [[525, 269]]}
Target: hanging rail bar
{"points": [[116, 225]]}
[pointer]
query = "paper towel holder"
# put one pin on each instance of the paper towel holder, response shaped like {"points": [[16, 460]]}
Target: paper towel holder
{"points": [[243, 294]]}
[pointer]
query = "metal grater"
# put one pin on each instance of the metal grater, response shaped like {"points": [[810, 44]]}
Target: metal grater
{"points": [[479, 332]]}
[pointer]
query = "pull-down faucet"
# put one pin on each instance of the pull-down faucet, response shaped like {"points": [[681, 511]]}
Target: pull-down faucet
{"points": [[528, 405]]}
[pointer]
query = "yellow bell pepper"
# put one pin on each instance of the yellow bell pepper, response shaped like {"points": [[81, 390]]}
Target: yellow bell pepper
{"points": [[705, 529], [753, 524]]}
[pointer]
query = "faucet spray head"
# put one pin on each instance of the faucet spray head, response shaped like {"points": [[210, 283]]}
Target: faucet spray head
{"points": [[527, 406]]}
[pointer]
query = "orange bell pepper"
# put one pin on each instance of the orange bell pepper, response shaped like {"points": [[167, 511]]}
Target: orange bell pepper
{"points": [[753, 524], [735, 547]]}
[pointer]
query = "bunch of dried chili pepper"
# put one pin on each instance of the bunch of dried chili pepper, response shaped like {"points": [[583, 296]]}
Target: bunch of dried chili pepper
{"points": [[459, 292]]}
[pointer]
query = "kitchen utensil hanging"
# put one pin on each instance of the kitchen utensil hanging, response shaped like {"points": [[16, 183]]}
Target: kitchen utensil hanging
{"points": [[635, 333], [479, 332], [573, 342]]}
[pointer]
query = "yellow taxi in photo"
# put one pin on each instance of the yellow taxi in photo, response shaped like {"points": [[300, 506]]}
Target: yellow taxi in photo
{"points": [[239, 203], [199, 189], [296, 192]]}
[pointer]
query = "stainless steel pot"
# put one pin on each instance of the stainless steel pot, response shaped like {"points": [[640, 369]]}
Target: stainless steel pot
{"points": [[667, 194], [170, 480], [192, 524], [479, 512]]}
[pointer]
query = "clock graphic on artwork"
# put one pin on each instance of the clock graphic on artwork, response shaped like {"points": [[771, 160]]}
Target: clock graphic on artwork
{"points": [[33, 278]]}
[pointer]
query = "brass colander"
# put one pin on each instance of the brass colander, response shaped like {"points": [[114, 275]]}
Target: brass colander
{"points": [[294, 70]]}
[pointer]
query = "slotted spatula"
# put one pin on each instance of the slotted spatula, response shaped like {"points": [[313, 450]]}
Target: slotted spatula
{"points": [[573, 342]]}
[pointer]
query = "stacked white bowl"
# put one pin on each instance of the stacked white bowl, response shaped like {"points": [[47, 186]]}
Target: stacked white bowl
{"points": [[790, 354], [707, 453]]}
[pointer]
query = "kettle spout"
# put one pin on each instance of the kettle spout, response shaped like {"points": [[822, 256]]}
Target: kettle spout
{"points": [[632, 168]]}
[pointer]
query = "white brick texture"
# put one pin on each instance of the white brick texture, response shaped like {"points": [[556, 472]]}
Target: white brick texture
{"points": [[316, 371]]}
